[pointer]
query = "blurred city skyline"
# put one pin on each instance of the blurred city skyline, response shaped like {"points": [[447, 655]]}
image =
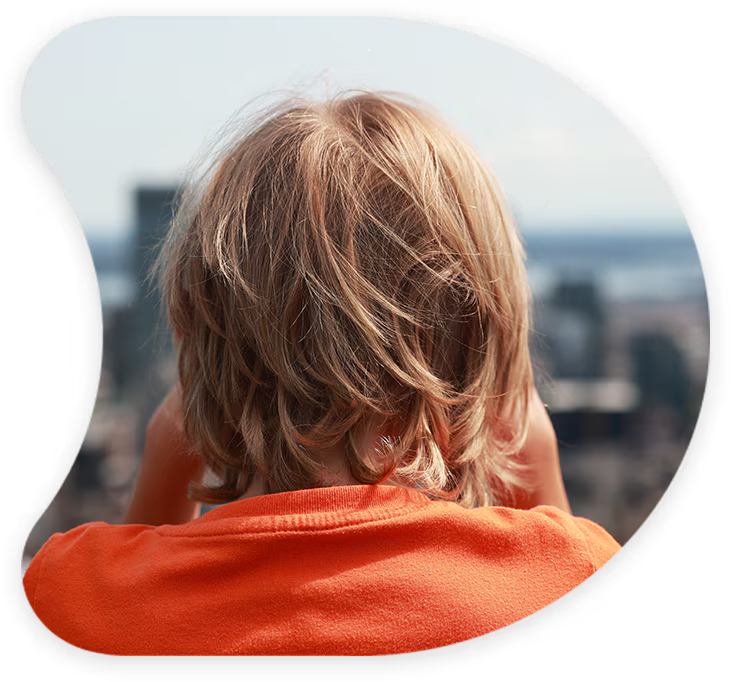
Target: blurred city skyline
{"points": [[116, 103], [622, 370]]}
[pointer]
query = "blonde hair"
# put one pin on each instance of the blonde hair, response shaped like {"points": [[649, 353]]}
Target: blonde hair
{"points": [[343, 262]]}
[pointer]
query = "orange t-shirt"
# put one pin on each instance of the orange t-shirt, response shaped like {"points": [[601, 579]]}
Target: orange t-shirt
{"points": [[343, 570]]}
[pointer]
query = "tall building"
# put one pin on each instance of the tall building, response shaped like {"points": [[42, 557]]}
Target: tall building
{"points": [[151, 337], [588, 406], [575, 323], [41, 376], [119, 358], [661, 373], [151, 343]]}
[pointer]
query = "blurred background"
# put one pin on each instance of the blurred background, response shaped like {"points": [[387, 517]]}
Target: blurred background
{"points": [[118, 108]]}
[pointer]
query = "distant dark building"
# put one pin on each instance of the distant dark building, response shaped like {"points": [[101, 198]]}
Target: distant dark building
{"points": [[661, 372], [151, 333], [587, 405], [153, 213], [120, 358], [573, 325], [41, 375]]}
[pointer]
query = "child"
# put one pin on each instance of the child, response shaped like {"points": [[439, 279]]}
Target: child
{"points": [[352, 318]]}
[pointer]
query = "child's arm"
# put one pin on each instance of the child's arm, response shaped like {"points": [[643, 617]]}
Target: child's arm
{"points": [[168, 465], [540, 454]]}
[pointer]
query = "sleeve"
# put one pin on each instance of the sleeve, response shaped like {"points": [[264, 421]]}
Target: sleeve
{"points": [[34, 572], [56, 552], [619, 617]]}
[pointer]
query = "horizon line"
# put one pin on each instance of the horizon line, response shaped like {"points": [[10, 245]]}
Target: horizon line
{"points": [[623, 228]]}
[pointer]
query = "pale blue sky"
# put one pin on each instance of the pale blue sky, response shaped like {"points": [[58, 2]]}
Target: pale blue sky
{"points": [[113, 103]]}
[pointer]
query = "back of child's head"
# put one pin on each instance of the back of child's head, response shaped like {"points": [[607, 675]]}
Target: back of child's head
{"points": [[345, 262]]}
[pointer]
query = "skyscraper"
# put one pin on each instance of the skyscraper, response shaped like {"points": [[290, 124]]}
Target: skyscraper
{"points": [[661, 372], [575, 323], [151, 342], [151, 338]]}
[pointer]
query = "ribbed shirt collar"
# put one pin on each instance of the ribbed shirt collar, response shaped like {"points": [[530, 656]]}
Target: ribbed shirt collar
{"points": [[321, 500]]}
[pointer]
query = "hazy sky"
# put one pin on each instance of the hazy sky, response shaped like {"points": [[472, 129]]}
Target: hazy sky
{"points": [[114, 103]]}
